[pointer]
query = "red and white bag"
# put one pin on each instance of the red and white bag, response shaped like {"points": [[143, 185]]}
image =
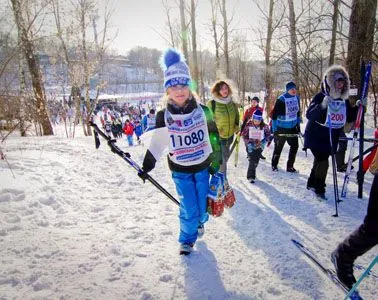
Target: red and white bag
{"points": [[215, 196]]}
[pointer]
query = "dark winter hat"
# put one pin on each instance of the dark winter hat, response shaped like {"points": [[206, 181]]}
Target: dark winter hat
{"points": [[257, 115], [290, 85], [256, 99], [176, 71], [152, 111]]}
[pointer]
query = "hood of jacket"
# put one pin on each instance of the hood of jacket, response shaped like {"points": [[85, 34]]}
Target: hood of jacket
{"points": [[329, 80]]}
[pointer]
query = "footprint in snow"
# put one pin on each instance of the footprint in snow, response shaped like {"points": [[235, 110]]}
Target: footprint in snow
{"points": [[12, 219], [7, 195]]}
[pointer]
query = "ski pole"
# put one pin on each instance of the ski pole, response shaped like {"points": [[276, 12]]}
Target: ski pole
{"points": [[365, 152], [127, 157], [368, 140], [364, 274], [355, 134], [334, 172], [235, 142], [290, 134]]}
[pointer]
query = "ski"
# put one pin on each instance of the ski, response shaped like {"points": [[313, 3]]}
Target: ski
{"points": [[356, 130], [330, 273]]}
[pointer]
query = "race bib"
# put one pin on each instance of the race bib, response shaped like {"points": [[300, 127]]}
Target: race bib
{"points": [[189, 138], [255, 134], [337, 113], [292, 108], [151, 122]]}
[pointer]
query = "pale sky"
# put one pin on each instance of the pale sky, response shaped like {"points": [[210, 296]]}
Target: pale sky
{"points": [[139, 22]]}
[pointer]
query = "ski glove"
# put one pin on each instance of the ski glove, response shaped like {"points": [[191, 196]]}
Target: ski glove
{"points": [[143, 175], [363, 102], [213, 168], [326, 101]]}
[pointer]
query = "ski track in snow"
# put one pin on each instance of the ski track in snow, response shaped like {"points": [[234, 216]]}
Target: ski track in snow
{"points": [[78, 223]]}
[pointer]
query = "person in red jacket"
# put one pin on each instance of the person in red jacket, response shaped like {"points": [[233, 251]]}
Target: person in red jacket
{"points": [[249, 113], [128, 129], [369, 158]]}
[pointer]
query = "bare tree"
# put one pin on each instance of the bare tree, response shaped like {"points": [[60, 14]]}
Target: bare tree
{"points": [[88, 57], [273, 23], [214, 20], [27, 44], [268, 67], [222, 5], [336, 4], [195, 74], [293, 41], [361, 37], [239, 62], [184, 31], [174, 38]]}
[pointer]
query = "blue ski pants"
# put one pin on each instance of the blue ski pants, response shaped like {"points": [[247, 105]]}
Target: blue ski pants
{"points": [[130, 140], [192, 189]]}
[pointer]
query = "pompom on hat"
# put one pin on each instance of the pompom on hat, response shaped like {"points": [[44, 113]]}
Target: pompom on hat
{"points": [[176, 71], [257, 115]]}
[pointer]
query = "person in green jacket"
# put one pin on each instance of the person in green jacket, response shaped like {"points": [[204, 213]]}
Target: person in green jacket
{"points": [[226, 117]]}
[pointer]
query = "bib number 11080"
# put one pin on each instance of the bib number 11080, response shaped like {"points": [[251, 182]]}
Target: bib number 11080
{"points": [[187, 140]]}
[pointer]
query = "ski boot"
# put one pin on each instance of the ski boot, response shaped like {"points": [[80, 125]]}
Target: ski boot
{"points": [[186, 248]]}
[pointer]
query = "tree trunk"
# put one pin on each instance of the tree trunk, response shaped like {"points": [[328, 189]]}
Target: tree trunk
{"points": [[215, 35], [21, 109], [34, 69], [87, 103], [184, 31], [169, 23], [194, 46], [293, 41], [336, 4], [225, 36], [361, 36], [268, 68]]}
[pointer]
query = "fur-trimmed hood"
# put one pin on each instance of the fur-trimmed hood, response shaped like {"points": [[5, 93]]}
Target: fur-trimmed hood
{"points": [[328, 85]]}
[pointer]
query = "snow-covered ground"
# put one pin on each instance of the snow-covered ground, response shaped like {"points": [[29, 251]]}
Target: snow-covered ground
{"points": [[78, 223]]}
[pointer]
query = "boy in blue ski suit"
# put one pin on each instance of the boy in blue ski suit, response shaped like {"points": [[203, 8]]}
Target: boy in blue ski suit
{"points": [[188, 129], [138, 130], [286, 119]]}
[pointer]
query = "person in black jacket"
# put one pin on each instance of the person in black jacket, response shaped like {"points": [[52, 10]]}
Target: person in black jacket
{"points": [[360, 241], [286, 119], [330, 107], [188, 130]]}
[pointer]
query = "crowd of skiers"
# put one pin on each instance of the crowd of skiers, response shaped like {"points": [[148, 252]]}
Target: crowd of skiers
{"points": [[117, 125], [200, 139]]}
